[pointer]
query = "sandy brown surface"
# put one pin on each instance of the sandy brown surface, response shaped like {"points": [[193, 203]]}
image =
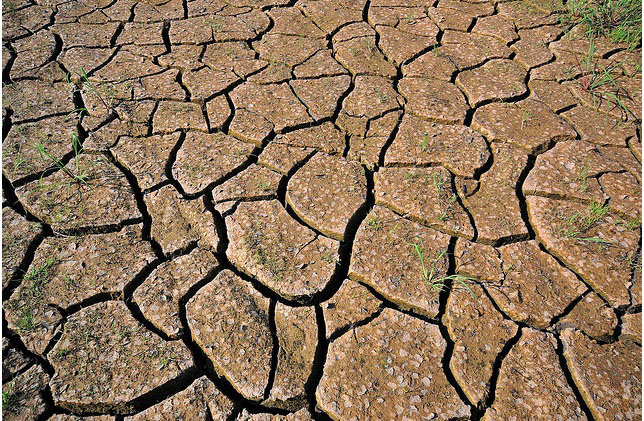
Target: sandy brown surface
{"points": [[317, 209]]}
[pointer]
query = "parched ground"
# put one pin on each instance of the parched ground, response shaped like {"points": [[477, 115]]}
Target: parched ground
{"points": [[318, 209]]}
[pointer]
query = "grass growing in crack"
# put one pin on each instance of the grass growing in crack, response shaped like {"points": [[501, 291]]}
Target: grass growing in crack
{"points": [[10, 398], [104, 92], [430, 276], [619, 20], [79, 173]]}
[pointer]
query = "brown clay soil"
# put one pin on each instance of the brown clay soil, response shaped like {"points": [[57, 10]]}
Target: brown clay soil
{"points": [[317, 209]]}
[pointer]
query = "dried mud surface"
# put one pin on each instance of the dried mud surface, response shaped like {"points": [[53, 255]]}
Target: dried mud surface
{"points": [[317, 209]]}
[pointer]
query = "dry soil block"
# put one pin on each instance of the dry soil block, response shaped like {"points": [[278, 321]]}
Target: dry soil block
{"points": [[592, 316], [570, 170], [325, 137], [320, 96], [535, 288], [146, 157], [632, 327], [22, 397], [171, 115], [159, 296], [297, 335], [176, 222], [66, 271], [20, 154], [599, 128], [283, 157], [474, 354], [528, 124], [419, 142], [254, 183], [352, 303], [495, 206], [371, 97], [608, 376], [91, 191], [327, 192], [276, 103], [287, 257], [468, 50], [31, 99], [404, 31], [388, 369], [399, 276], [496, 80], [228, 319], [205, 158], [201, 400], [17, 236], [434, 100], [424, 195], [13, 360], [531, 381], [355, 48], [592, 243], [105, 359]]}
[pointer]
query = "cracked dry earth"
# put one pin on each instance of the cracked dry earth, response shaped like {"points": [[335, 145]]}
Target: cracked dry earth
{"points": [[316, 209]]}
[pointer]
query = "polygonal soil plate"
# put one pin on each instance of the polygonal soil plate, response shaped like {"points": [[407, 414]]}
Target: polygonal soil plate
{"points": [[67, 271], [287, 257], [388, 369], [531, 381], [408, 248], [419, 142], [608, 376], [105, 359], [228, 319], [89, 191], [327, 192]]}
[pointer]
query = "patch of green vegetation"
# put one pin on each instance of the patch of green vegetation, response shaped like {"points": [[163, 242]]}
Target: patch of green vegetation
{"points": [[275, 266], [10, 398], [424, 144], [26, 322], [576, 225], [438, 180], [619, 20], [373, 223], [39, 276], [263, 185], [582, 177], [630, 223], [328, 257], [35, 279], [430, 276], [525, 117]]}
